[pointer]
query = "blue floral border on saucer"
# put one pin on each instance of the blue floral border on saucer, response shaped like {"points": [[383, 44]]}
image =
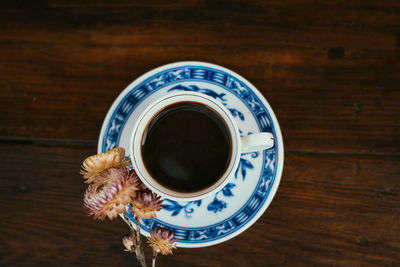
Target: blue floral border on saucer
{"points": [[270, 157]]}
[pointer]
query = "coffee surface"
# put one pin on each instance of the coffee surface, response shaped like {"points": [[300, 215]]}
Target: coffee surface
{"points": [[186, 147]]}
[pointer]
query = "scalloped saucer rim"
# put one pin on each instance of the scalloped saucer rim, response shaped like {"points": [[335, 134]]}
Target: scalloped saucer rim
{"points": [[275, 126]]}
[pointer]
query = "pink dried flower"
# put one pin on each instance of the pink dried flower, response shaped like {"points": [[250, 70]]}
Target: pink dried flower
{"points": [[162, 240], [129, 243], [142, 186], [110, 198], [146, 203], [113, 174]]}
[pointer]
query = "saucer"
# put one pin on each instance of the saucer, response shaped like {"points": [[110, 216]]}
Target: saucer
{"points": [[249, 192]]}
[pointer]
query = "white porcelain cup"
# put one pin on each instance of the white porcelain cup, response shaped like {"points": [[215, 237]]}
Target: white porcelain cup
{"points": [[239, 145]]}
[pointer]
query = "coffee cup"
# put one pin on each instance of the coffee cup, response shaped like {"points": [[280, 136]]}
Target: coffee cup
{"points": [[186, 146]]}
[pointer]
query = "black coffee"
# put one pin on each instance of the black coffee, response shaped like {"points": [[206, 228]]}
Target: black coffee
{"points": [[186, 147]]}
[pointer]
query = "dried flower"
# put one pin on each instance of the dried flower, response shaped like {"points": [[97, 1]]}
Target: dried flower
{"points": [[110, 198], [146, 203], [142, 186], [129, 243], [94, 165], [162, 240], [114, 173]]}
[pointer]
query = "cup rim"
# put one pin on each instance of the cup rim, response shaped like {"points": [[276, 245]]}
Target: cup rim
{"points": [[152, 110]]}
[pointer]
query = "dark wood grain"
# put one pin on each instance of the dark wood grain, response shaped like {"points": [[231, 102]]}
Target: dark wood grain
{"points": [[329, 210], [330, 70]]}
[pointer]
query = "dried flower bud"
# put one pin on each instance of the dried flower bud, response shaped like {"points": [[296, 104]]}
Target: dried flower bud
{"points": [[142, 186], [94, 165], [113, 195], [129, 243], [162, 240], [146, 203]]}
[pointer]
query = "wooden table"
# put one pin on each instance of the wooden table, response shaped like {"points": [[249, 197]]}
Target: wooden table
{"points": [[329, 69]]}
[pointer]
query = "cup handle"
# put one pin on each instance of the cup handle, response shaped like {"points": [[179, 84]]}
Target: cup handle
{"points": [[257, 142]]}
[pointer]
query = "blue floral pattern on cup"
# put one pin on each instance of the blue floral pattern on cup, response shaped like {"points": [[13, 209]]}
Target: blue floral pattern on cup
{"points": [[209, 92]]}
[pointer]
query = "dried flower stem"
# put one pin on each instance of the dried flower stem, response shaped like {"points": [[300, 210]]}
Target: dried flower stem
{"points": [[153, 263], [138, 239], [136, 236], [130, 226], [139, 248]]}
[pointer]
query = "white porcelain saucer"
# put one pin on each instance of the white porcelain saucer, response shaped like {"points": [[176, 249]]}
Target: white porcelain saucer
{"points": [[248, 194]]}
